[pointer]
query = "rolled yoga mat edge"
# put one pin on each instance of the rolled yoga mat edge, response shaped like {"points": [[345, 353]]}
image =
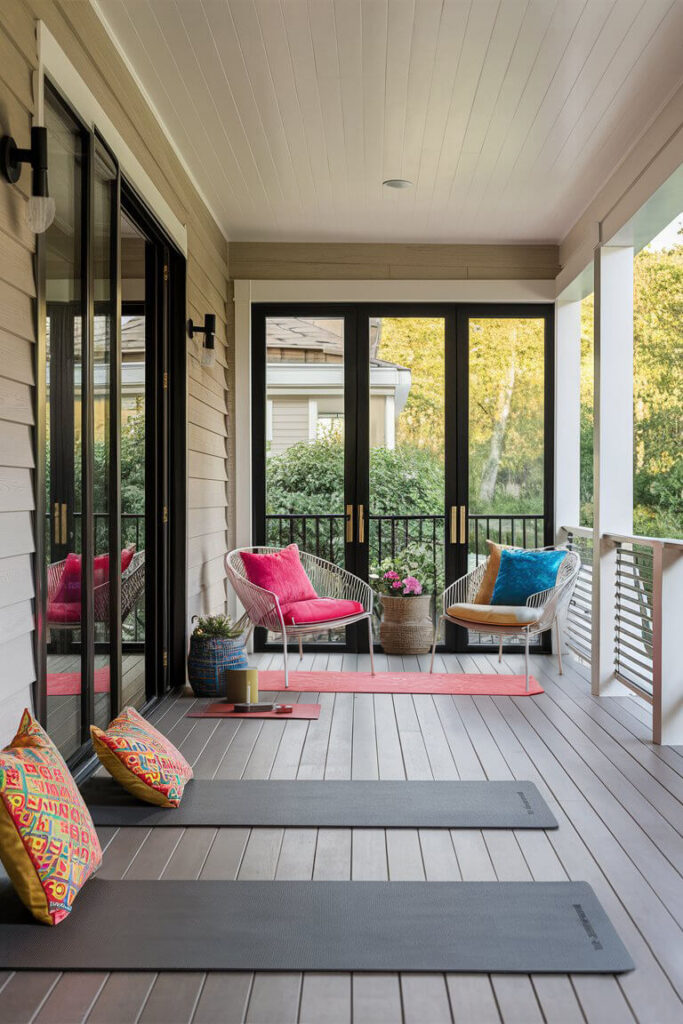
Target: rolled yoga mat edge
{"points": [[330, 803], [520, 927]]}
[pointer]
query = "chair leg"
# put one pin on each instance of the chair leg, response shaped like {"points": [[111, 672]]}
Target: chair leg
{"points": [[301, 649], [558, 638], [284, 655], [526, 659], [436, 637], [371, 646], [500, 650]]}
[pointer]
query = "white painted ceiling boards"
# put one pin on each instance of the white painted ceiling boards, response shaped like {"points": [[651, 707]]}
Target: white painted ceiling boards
{"points": [[508, 115]]}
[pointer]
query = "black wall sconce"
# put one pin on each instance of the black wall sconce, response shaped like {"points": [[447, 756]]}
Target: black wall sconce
{"points": [[41, 207], [209, 332]]}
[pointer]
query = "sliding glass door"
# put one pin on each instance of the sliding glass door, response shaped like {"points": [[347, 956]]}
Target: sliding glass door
{"points": [[103, 480], [403, 437]]}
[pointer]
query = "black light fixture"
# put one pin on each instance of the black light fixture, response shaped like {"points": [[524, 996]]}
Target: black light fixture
{"points": [[41, 207], [209, 332]]}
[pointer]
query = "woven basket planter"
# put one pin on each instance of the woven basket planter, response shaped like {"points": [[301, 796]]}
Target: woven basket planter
{"points": [[406, 626], [208, 661]]}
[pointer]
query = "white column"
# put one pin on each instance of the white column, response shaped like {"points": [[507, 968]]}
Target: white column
{"points": [[389, 422], [667, 663], [312, 419], [567, 414], [612, 444]]}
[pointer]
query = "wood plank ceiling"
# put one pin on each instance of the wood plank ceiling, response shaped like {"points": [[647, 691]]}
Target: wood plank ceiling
{"points": [[508, 115]]}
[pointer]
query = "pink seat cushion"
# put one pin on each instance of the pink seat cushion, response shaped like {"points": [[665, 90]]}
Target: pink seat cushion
{"points": [[64, 611], [319, 609], [280, 572]]}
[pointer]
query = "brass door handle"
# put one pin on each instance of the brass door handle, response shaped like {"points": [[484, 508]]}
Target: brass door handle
{"points": [[454, 525], [463, 524], [361, 524], [64, 536], [349, 524]]}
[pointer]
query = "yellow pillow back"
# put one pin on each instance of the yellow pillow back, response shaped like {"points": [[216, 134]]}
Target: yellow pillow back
{"points": [[488, 582]]}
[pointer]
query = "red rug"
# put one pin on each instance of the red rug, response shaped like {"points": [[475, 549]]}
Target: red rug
{"points": [[401, 682], [223, 710], [68, 684]]}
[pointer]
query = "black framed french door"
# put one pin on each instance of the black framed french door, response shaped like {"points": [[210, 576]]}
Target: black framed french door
{"points": [[403, 436], [500, 484]]}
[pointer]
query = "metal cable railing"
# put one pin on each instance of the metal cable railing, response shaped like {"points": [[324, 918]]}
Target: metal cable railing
{"points": [[633, 632], [579, 623]]}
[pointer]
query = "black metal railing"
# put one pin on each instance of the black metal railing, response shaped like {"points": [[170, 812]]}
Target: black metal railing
{"points": [[323, 534]]}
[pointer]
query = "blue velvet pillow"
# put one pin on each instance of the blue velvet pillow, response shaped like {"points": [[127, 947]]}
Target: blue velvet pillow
{"points": [[523, 573]]}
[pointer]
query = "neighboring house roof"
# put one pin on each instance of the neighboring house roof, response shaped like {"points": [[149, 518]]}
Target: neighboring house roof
{"points": [[324, 335]]}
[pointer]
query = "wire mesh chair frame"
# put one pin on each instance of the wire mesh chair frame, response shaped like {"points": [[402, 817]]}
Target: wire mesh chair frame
{"points": [[132, 587], [262, 607], [551, 603]]}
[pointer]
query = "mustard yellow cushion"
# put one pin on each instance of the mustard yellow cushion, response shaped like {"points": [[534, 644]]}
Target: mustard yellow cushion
{"points": [[48, 843], [141, 759], [496, 614], [488, 582]]}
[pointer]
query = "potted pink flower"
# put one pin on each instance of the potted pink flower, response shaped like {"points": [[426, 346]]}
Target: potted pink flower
{"points": [[406, 626]]}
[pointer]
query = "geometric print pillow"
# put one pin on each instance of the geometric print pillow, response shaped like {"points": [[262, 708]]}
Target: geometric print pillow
{"points": [[48, 843], [141, 759]]}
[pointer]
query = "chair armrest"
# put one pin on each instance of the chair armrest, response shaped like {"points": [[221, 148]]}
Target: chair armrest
{"points": [[261, 606]]}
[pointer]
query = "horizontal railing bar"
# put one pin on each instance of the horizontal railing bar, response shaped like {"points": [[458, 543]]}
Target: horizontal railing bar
{"points": [[639, 690], [622, 631], [634, 672], [639, 657]]}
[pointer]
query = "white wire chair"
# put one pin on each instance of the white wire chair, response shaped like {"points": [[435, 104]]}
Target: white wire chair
{"points": [[132, 588], [550, 604], [262, 607]]}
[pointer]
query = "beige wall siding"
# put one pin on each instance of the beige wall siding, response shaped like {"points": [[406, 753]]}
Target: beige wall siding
{"points": [[290, 423], [17, 340], [81, 35], [345, 261]]}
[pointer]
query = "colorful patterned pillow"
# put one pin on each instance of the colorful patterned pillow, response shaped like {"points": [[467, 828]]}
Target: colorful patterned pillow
{"points": [[141, 759], [48, 843]]}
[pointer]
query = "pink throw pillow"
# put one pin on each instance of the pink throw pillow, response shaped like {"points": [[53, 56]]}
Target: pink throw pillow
{"points": [[281, 572], [320, 609], [69, 587]]}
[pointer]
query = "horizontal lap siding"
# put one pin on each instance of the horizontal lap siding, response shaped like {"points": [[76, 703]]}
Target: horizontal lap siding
{"points": [[17, 293], [81, 35], [287, 261]]}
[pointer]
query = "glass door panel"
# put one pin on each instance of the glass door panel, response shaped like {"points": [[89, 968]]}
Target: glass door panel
{"points": [[407, 388], [135, 326], [505, 487], [106, 554], [306, 439], [64, 305]]}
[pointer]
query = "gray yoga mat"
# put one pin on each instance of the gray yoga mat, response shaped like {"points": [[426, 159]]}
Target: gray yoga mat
{"points": [[527, 927], [329, 804]]}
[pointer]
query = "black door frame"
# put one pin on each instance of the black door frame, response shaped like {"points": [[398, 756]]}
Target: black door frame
{"points": [[356, 427]]}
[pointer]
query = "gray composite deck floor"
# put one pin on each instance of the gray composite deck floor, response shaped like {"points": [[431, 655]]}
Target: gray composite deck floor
{"points": [[618, 799]]}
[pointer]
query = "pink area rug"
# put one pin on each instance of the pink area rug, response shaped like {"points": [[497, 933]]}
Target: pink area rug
{"points": [[223, 710], [401, 682], [68, 684]]}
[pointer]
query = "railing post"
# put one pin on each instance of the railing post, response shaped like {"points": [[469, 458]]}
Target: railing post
{"points": [[667, 668], [612, 446]]}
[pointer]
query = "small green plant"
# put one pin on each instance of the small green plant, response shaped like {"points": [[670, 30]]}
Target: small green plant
{"points": [[211, 627]]}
